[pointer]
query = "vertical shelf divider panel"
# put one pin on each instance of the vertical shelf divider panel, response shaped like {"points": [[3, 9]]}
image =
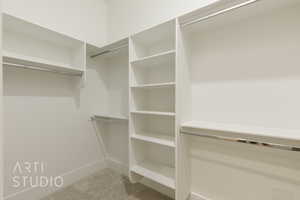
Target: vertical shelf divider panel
{"points": [[152, 94], [183, 111]]}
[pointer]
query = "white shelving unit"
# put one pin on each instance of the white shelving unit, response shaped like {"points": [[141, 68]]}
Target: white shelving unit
{"points": [[159, 173], [153, 161], [152, 105], [238, 76], [29, 45], [232, 67]]}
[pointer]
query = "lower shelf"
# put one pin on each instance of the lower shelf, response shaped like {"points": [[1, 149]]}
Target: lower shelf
{"points": [[156, 138], [157, 172]]}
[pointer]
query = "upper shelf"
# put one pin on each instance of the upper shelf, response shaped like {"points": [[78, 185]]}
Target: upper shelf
{"points": [[110, 117], [243, 129], [153, 41], [225, 12], [155, 60], [108, 49], [160, 33], [30, 45], [15, 24], [39, 63]]}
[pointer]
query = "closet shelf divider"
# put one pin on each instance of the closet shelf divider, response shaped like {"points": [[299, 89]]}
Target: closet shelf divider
{"points": [[171, 114], [153, 59], [155, 138], [155, 85]]}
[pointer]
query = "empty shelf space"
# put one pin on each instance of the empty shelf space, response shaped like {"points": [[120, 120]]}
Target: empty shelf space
{"points": [[157, 138], [28, 45], [110, 117], [155, 59], [154, 40], [155, 85], [157, 172], [12, 59], [243, 129], [161, 99], [172, 114]]}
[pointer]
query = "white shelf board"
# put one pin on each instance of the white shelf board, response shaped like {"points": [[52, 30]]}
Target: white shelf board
{"points": [[13, 58], [155, 34], [155, 85], [154, 60], [156, 138], [92, 49], [157, 172], [15, 24], [243, 129], [212, 17], [110, 117], [154, 113]]}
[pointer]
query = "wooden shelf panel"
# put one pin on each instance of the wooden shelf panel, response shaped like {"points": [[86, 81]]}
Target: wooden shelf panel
{"points": [[110, 117], [154, 85], [243, 129], [157, 172], [154, 60], [162, 139], [39, 63], [171, 114]]}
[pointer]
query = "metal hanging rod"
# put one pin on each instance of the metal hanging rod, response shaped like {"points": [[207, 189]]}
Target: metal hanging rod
{"points": [[41, 69], [218, 13], [109, 51], [245, 141]]}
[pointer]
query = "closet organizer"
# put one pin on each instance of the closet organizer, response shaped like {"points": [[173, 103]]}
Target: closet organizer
{"points": [[203, 100]]}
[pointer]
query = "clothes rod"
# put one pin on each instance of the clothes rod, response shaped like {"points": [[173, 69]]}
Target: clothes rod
{"points": [[40, 69], [246, 141], [218, 13], [109, 51]]}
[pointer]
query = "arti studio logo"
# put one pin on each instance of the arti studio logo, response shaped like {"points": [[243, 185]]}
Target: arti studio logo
{"points": [[31, 174]]}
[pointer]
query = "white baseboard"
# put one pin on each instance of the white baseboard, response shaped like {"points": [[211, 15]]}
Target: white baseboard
{"points": [[196, 196], [69, 178]]}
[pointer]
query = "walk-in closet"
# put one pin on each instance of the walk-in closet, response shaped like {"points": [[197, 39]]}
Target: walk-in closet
{"points": [[140, 100]]}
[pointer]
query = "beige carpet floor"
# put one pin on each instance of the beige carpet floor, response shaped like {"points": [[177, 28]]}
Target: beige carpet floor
{"points": [[106, 185]]}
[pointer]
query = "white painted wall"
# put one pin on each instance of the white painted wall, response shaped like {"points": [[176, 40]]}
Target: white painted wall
{"points": [[82, 19], [46, 115], [127, 17], [1, 111], [46, 119]]}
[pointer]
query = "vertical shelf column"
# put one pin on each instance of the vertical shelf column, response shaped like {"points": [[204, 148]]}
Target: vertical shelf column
{"points": [[153, 119]]}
